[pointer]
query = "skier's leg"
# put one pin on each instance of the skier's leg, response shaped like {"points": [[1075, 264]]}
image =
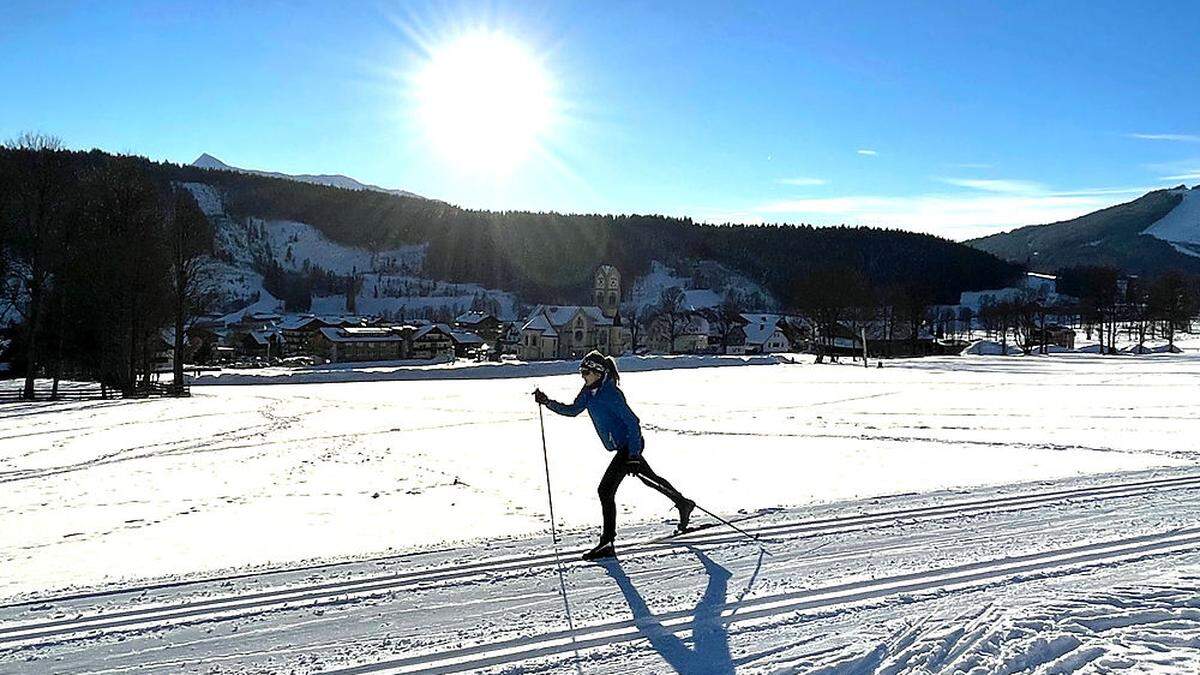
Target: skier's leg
{"points": [[608, 496], [661, 484], [664, 486]]}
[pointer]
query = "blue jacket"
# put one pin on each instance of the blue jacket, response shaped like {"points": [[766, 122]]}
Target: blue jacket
{"points": [[615, 423]]}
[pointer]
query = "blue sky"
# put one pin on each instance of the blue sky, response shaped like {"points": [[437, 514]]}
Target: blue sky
{"points": [[952, 118]]}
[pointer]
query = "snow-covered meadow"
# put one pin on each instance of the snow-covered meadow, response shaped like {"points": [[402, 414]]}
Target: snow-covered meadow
{"points": [[105, 491]]}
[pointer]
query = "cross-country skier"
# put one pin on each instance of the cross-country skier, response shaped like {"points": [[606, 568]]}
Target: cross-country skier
{"points": [[620, 432]]}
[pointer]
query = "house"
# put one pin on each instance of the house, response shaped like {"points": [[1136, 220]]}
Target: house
{"points": [[300, 332], [483, 324], [765, 334], [539, 339], [465, 342], [509, 341], [263, 343], [361, 343], [431, 341]]}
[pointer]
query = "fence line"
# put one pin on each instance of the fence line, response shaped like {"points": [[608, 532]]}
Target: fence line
{"points": [[77, 391]]}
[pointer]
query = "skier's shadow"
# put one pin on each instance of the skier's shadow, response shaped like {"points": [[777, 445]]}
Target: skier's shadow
{"points": [[709, 654]]}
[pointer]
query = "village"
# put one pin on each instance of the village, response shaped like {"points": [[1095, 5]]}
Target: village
{"points": [[1032, 316]]}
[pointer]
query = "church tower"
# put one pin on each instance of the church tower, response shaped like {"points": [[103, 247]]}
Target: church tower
{"points": [[607, 290]]}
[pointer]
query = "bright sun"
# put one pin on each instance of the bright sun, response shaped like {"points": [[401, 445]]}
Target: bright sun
{"points": [[485, 101]]}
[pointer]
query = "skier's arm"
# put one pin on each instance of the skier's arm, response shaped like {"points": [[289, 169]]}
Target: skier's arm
{"points": [[571, 409]]}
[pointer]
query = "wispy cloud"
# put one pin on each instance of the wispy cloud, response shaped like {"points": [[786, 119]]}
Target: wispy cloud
{"points": [[969, 165], [1182, 138], [1001, 185], [867, 152], [802, 182], [1183, 169]]}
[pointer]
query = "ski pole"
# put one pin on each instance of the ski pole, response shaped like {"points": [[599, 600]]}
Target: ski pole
{"points": [[546, 462], [739, 530], [562, 581]]}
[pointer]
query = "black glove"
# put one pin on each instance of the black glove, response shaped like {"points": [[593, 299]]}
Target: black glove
{"points": [[540, 397], [634, 466]]}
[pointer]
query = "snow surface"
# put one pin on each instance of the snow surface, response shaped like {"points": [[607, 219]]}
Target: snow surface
{"points": [[399, 526], [647, 289], [306, 243], [441, 369], [1181, 225]]}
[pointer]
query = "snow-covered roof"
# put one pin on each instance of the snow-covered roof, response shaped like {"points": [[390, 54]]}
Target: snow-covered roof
{"points": [[429, 328], [561, 315], [360, 334], [472, 318], [262, 337], [296, 322], [538, 322], [465, 337], [760, 327]]}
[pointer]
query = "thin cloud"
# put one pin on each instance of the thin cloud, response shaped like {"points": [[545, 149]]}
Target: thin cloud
{"points": [[802, 182], [1183, 169], [1000, 185], [867, 152], [1181, 138]]}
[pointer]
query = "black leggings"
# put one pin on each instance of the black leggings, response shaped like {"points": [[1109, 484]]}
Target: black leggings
{"points": [[617, 469]]}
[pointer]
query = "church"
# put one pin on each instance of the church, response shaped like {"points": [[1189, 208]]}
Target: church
{"points": [[570, 331]]}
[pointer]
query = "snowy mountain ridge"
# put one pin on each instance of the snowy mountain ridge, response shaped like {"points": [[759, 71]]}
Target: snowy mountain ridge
{"points": [[207, 161], [1181, 226]]}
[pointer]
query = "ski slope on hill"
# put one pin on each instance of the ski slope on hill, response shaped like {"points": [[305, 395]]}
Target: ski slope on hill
{"points": [[1181, 227], [1011, 514]]}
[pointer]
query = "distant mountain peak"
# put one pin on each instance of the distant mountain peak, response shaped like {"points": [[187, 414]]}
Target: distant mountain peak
{"points": [[207, 161]]}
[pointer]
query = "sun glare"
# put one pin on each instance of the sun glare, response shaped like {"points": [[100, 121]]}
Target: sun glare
{"points": [[484, 101]]}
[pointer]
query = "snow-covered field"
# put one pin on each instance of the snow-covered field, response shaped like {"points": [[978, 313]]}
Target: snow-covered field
{"points": [[1006, 514]]}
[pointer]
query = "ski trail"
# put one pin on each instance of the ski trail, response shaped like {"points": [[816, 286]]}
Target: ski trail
{"points": [[359, 587], [1055, 561]]}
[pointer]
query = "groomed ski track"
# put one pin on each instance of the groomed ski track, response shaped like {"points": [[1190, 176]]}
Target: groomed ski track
{"points": [[454, 610]]}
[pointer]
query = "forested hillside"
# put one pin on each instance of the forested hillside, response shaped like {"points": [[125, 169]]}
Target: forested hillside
{"points": [[551, 256], [1113, 237]]}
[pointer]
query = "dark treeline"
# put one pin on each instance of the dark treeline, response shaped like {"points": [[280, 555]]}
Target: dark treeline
{"points": [[550, 256], [100, 256]]}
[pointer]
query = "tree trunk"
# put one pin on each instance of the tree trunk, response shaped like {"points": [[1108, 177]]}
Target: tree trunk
{"points": [[35, 320], [177, 370]]}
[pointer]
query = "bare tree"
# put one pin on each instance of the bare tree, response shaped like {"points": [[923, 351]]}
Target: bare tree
{"points": [[726, 318], [672, 315], [189, 237], [37, 202]]}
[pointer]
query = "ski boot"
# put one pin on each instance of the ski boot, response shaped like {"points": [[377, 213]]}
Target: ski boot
{"points": [[685, 514], [604, 549]]}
